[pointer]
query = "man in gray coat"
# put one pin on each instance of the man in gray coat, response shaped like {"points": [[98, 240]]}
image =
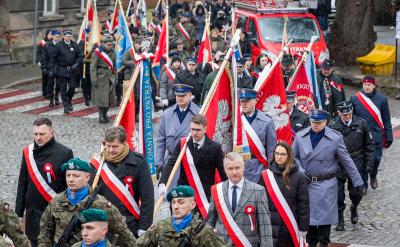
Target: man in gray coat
{"points": [[174, 125], [264, 127], [319, 149], [239, 208], [102, 74]]}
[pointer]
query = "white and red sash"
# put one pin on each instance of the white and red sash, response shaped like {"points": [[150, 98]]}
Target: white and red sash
{"points": [[118, 188], [170, 73], [234, 232], [283, 208], [183, 31], [142, 56], [105, 58], [255, 144], [371, 108], [44, 189], [194, 181]]}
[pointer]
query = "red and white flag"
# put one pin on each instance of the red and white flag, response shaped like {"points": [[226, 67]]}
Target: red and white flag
{"points": [[271, 99], [161, 50], [170, 73], [302, 86], [128, 122], [205, 55], [115, 17]]}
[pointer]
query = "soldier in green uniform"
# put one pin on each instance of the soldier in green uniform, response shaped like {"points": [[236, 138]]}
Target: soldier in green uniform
{"points": [[11, 226], [102, 74], [180, 228], [186, 31], [70, 202], [94, 224]]}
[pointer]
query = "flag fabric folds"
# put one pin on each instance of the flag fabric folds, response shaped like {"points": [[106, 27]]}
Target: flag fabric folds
{"points": [[302, 86], [123, 42], [205, 55]]}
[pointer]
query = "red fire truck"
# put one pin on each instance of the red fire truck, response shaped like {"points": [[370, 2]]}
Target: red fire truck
{"points": [[264, 23]]}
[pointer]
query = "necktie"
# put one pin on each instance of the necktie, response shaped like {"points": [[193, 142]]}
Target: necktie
{"points": [[234, 198], [196, 146]]}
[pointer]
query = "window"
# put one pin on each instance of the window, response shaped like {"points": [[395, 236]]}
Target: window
{"points": [[50, 7]]}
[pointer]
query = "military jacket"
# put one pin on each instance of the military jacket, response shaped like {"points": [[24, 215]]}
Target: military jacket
{"points": [[59, 212], [11, 226], [79, 244], [164, 235]]}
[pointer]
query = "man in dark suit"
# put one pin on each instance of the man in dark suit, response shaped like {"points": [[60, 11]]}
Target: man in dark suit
{"points": [[239, 208], [207, 157]]}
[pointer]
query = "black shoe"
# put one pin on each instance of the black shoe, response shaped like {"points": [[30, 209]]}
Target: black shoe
{"points": [[354, 214], [87, 102], [374, 183], [51, 104], [70, 107], [105, 110], [340, 224], [56, 100], [66, 110], [118, 101], [365, 190]]}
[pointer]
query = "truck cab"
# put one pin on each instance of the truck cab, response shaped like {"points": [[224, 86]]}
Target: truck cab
{"points": [[264, 27]]}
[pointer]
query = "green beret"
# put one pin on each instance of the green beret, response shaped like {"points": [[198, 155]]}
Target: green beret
{"points": [[76, 164], [180, 191], [93, 214]]}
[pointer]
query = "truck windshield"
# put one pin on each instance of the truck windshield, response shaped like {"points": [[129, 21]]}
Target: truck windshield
{"points": [[300, 29]]}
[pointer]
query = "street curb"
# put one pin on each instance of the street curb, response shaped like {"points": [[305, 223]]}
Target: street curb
{"points": [[23, 82]]}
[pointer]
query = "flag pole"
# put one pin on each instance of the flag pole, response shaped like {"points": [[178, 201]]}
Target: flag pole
{"points": [[285, 32], [303, 59], [203, 109], [167, 31]]}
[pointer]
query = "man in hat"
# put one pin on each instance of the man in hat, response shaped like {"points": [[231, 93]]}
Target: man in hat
{"points": [[94, 224], [168, 79], [11, 225], [359, 144], [319, 150], [207, 158], [127, 184], [241, 205], [264, 127], [69, 60], [175, 124], [330, 87], [288, 67], [183, 228], [222, 21], [181, 52], [102, 74], [48, 63], [35, 189], [374, 108], [298, 119], [195, 76], [186, 31], [244, 80], [70, 202]]}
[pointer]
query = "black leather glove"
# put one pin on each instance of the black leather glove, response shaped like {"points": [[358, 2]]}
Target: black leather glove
{"points": [[388, 144], [358, 191], [158, 172]]}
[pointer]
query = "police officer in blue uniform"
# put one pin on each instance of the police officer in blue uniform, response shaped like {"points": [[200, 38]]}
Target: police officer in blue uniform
{"points": [[359, 143], [319, 149], [298, 119], [383, 137], [174, 125], [263, 125], [69, 60]]}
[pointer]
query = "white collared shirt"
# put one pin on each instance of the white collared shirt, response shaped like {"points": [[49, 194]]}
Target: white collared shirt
{"points": [[238, 190], [67, 43], [348, 123], [201, 142]]}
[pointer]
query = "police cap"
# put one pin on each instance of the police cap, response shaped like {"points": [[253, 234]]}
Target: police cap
{"points": [[182, 89], [318, 115], [287, 59], [247, 94], [67, 32], [345, 107], [328, 64], [290, 95]]}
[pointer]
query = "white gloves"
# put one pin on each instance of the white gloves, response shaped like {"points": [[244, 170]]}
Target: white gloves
{"points": [[162, 190], [303, 234], [140, 232], [165, 102]]}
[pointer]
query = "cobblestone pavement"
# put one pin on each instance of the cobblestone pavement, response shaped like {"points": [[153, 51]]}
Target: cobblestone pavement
{"points": [[379, 211]]}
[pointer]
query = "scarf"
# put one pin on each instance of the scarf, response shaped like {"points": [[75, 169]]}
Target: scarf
{"points": [[120, 157], [77, 196], [101, 243], [183, 224]]}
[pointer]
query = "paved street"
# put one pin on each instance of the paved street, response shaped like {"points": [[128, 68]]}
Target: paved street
{"points": [[379, 211]]}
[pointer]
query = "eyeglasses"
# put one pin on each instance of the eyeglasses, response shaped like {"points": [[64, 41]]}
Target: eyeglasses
{"points": [[196, 130], [280, 154]]}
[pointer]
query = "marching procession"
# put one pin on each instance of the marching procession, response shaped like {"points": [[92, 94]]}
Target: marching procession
{"points": [[254, 148]]}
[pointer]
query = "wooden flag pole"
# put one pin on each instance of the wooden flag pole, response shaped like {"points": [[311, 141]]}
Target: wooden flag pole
{"points": [[203, 109]]}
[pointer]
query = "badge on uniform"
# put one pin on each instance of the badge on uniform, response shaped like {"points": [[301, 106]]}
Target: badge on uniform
{"points": [[48, 168], [71, 49], [250, 210]]}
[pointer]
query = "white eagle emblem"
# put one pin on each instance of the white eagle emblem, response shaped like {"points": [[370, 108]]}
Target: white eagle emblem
{"points": [[223, 127], [273, 107]]}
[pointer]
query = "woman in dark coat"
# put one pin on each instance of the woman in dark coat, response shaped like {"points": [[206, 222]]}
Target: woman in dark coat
{"points": [[294, 189]]}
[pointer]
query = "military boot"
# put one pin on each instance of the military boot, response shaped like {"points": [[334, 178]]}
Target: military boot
{"points": [[101, 115], [70, 106], [340, 224], [51, 103], [105, 110], [87, 101], [354, 213], [56, 100], [66, 109]]}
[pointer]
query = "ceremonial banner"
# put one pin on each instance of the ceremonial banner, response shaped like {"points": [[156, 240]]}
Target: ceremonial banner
{"points": [[161, 51], [311, 71], [116, 20], [123, 40], [205, 55], [271, 99], [128, 122], [304, 95]]}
